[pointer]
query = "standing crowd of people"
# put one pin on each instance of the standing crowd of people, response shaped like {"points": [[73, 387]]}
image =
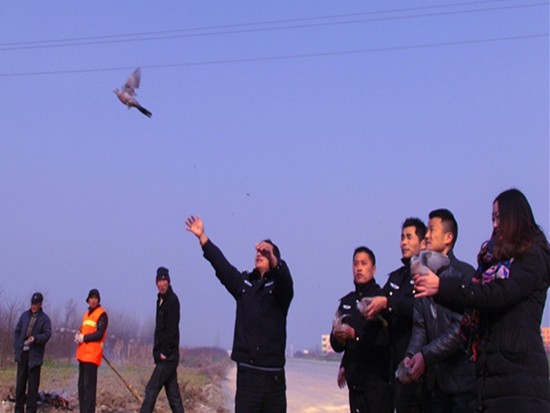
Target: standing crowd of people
{"points": [[439, 336]]}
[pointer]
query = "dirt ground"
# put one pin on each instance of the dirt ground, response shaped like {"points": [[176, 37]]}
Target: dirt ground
{"points": [[200, 387]]}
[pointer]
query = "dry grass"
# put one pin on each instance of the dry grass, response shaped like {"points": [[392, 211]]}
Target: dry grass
{"points": [[199, 375]]}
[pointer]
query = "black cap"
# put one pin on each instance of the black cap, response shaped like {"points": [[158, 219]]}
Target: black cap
{"points": [[94, 291], [162, 274], [37, 298]]}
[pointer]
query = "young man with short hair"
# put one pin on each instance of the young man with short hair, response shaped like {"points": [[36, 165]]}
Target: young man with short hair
{"points": [[365, 365], [398, 301], [165, 348], [435, 340]]}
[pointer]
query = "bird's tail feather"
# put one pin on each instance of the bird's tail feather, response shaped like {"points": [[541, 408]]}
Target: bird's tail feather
{"points": [[144, 111]]}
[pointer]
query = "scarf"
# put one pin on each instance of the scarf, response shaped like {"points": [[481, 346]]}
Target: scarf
{"points": [[471, 319]]}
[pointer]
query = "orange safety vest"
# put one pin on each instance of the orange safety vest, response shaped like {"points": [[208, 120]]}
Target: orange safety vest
{"points": [[91, 352]]}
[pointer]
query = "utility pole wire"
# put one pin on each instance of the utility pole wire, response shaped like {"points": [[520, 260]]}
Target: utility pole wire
{"points": [[141, 37], [227, 26], [287, 57]]}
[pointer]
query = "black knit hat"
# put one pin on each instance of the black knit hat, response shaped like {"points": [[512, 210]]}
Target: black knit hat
{"points": [[162, 274], [94, 291]]}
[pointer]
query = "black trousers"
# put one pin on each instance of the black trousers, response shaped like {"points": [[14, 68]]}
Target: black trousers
{"points": [[260, 392], [413, 397], [375, 397], [87, 386], [164, 375], [24, 376]]}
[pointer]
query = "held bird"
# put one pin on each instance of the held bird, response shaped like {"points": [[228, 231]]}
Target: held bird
{"points": [[126, 95]]}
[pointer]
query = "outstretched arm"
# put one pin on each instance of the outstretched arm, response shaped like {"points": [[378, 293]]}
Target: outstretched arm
{"points": [[194, 225]]}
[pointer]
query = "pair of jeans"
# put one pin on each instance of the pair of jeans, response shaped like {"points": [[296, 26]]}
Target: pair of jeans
{"points": [[32, 377], [164, 375], [260, 391]]}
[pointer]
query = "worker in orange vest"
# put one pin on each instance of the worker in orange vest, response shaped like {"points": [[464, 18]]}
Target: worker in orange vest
{"points": [[90, 342]]}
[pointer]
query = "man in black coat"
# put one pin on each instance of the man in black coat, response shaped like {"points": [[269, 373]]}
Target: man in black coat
{"points": [[32, 332], [365, 365], [398, 302], [435, 340], [165, 348], [263, 297]]}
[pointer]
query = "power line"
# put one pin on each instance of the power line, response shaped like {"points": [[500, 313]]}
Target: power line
{"points": [[251, 24], [284, 57], [184, 33]]}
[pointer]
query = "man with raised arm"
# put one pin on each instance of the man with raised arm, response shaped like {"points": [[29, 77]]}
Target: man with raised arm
{"points": [[262, 297]]}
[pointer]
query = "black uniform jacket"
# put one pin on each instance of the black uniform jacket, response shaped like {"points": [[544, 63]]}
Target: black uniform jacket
{"points": [[262, 307], [512, 366], [399, 290], [367, 356], [167, 331]]}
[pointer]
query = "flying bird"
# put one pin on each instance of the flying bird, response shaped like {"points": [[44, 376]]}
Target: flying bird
{"points": [[126, 95]]}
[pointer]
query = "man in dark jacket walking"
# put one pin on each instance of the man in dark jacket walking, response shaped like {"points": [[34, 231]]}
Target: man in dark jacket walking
{"points": [[165, 348], [263, 297], [32, 332], [435, 340]]}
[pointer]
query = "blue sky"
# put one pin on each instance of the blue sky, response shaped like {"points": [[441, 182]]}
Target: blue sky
{"points": [[321, 125]]}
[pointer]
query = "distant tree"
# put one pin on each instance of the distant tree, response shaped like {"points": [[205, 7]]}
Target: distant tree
{"points": [[65, 323], [10, 310], [122, 328]]}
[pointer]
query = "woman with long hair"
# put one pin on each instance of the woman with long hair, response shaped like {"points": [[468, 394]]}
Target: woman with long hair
{"points": [[504, 304]]}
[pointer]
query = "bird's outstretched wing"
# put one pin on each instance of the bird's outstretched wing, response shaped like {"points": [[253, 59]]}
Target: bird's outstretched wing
{"points": [[132, 83]]}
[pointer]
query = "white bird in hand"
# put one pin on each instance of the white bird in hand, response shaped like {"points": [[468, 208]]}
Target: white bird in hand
{"points": [[126, 95]]}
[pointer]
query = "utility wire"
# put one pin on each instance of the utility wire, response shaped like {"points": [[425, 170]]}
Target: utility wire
{"points": [[184, 32], [284, 57], [251, 24]]}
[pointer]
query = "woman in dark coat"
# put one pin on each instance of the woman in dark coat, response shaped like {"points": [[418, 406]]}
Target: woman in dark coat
{"points": [[507, 294]]}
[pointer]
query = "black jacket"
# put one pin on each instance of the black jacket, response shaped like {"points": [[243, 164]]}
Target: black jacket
{"points": [[399, 290], [167, 331], [512, 366], [262, 307], [41, 332], [367, 357], [436, 334]]}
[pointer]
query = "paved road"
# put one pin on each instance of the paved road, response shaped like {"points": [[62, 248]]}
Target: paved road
{"points": [[311, 387]]}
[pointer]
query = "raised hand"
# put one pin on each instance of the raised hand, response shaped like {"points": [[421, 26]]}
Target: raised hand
{"points": [[195, 226], [266, 249]]}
